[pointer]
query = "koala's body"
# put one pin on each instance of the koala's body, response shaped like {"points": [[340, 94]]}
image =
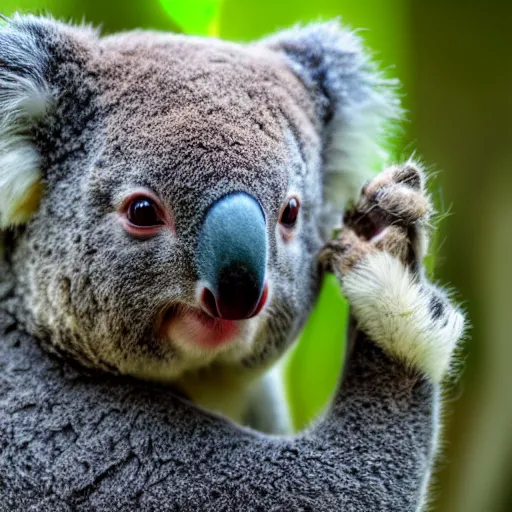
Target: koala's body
{"points": [[166, 202]]}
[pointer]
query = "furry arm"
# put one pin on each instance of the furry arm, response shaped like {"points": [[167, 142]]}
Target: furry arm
{"points": [[72, 441]]}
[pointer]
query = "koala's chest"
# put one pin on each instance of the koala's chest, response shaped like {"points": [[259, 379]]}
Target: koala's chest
{"points": [[221, 390]]}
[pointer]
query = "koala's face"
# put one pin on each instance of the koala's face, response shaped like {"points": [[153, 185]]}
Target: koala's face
{"points": [[183, 204]]}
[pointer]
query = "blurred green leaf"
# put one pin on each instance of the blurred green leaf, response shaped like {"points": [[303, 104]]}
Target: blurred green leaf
{"points": [[110, 16], [383, 25], [9, 7], [378, 20], [313, 367], [197, 17]]}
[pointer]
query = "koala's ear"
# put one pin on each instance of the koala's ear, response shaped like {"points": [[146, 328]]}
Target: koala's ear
{"points": [[27, 48], [355, 104]]}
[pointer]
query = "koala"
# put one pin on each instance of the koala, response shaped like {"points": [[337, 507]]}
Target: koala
{"points": [[185, 249], [167, 205]]}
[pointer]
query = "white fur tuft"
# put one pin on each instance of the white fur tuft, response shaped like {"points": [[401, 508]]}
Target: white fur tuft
{"points": [[23, 99], [359, 103], [394, 310], [361, 124]]}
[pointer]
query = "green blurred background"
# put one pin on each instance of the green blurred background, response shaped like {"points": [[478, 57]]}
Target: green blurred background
{"points": [[453, 59]]}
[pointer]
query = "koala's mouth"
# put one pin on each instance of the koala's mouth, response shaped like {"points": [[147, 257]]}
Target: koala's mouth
{"points": [[188, 325]]}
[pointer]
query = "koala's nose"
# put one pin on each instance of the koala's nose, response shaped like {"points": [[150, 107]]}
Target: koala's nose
{"points": [[231, 258]]}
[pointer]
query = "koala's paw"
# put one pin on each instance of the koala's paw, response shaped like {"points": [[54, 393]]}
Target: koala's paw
{"points": [[378, 256]]}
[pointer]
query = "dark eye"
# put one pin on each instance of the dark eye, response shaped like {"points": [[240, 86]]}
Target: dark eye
{"points": [[290, 213], [143, 212]]}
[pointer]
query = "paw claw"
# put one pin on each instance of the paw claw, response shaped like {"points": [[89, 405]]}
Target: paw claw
{"points": [[391, 216], [410, 175], [344, 253]]}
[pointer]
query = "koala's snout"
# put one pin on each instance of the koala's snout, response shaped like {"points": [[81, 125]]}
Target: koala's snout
{"points": [[231, 258]]}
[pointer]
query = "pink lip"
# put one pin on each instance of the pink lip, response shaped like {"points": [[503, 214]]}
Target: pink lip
{"points": [[192, 324]]}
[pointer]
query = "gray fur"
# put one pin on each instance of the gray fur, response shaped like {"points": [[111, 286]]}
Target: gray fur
{"points": [[72, 441], [192, 120]]}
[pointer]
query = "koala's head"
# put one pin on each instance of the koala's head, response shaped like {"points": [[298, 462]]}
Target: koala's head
{"points": [[163, 198]]}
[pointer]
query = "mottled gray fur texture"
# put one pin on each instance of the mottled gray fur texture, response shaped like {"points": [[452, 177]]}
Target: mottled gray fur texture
{"points": [[74, 442], [193, 120]]}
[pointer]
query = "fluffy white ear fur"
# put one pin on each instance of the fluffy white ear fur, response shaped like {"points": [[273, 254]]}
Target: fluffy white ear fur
{"points": [[363, 104], [24, 98], [366, 111]]}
